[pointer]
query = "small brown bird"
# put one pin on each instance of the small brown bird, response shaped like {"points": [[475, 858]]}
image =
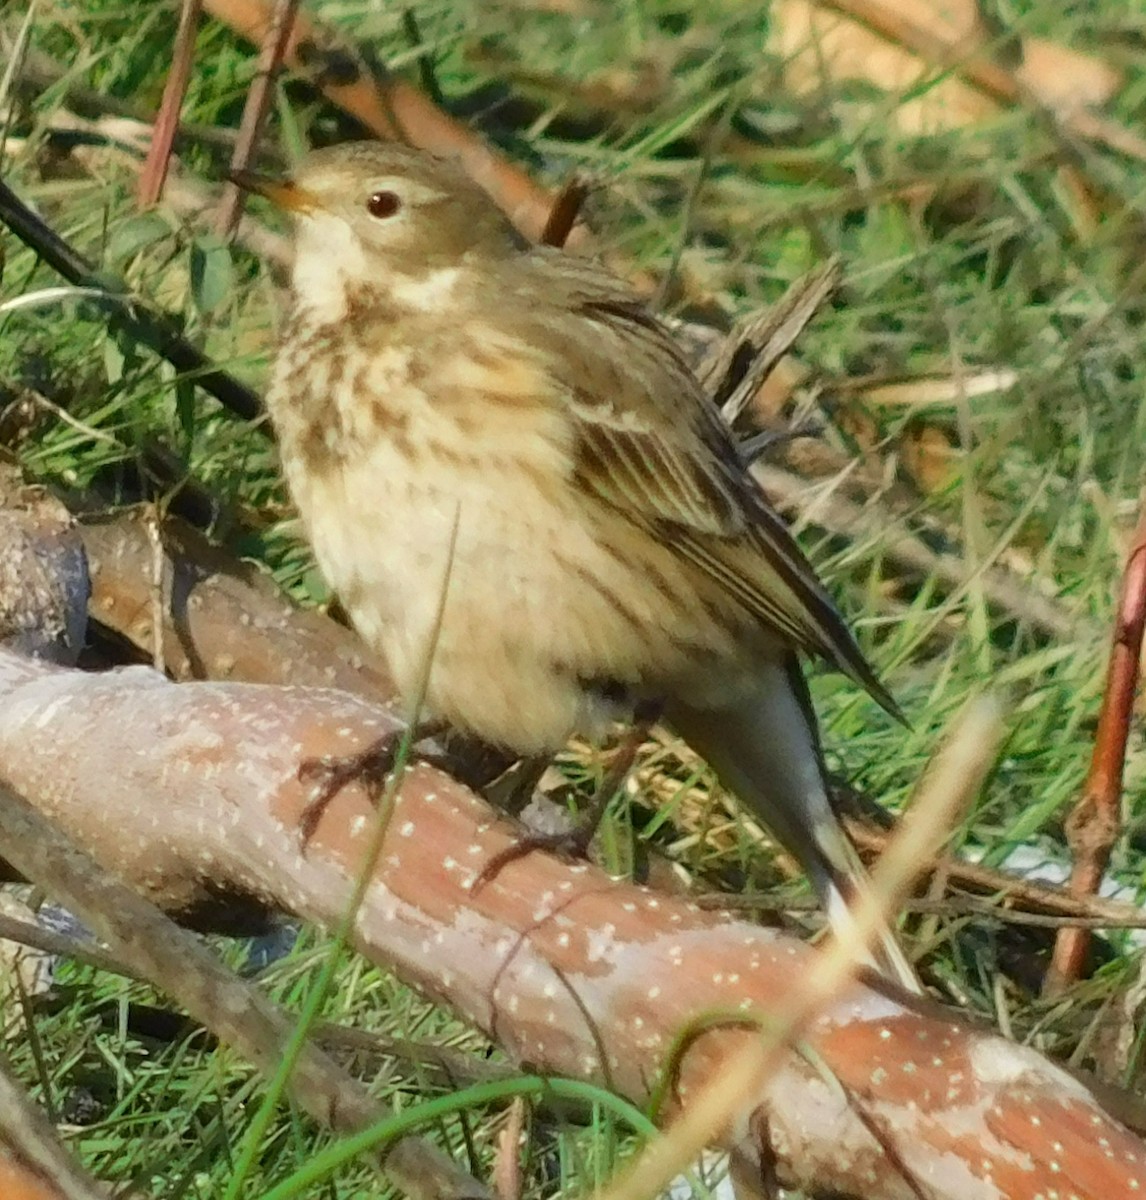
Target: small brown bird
{"points": [[463, 414]]}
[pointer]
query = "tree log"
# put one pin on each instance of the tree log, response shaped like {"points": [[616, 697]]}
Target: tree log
{"points": [[190, 793]]}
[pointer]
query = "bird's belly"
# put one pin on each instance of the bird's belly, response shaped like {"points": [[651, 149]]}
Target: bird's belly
{"points": [[523, 606]]}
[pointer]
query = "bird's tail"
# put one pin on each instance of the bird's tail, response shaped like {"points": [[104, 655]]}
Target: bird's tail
{"points": [[841, 895], [766, 750]]}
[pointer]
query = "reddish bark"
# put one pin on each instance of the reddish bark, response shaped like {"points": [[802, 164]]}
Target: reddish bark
{"points": [[18, 1182], [190, 792]]}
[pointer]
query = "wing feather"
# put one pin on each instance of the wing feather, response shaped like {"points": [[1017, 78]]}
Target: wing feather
{"points": [[649, 442]]}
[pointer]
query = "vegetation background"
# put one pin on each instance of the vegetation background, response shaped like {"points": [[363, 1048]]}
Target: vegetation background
{"points": [[976, 383]]}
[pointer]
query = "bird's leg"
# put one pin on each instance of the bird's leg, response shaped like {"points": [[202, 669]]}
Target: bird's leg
{"points": [[331, 773], [513, 790], [574, 843]]}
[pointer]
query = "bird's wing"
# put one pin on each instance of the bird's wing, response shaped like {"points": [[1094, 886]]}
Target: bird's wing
{"points": [[651, 444]]}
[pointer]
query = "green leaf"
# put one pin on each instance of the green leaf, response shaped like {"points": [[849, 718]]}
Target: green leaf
{"points": [[136, 234], [211, 272]]}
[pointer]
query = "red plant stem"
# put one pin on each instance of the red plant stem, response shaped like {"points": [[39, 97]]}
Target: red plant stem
{"points": [[154, 173], [1092, 827]]}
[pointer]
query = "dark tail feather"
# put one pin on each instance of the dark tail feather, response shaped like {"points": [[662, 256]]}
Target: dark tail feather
{"points": [[765, 749]]}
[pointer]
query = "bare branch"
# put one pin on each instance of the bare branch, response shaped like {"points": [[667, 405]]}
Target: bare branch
{"points": [[235, 1010], [254, 111]]}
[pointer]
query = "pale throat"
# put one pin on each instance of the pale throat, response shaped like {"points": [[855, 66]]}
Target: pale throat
{"points": [[330, 267]]}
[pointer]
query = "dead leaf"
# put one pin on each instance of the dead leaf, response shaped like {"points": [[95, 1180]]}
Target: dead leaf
{"points": [[817, 40], [927, 391], [928, 454]]}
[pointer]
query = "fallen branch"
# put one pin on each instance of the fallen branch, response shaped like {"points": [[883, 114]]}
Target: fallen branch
{"points": [[181, 965], [951, 781], [222, 618], [567, 969], [232, 622]]}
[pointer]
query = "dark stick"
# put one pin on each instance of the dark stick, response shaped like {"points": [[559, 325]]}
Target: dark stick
{"points": [[155, 330], [566, 207]]}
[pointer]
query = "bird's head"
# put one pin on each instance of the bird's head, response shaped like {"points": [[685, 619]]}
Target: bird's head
{"points": [[387, 217]]}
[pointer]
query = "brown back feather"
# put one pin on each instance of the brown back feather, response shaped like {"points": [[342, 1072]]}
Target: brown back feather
{"points": [[651, 443]]}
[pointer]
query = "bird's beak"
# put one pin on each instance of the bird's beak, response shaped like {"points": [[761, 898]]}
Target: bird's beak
{"points": [[283, 192]]}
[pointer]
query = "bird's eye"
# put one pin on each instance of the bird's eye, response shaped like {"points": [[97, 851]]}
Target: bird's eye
{"points": [[383, 204]]}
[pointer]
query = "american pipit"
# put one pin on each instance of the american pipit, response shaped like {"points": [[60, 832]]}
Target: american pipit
{"points": [[460, 410]]}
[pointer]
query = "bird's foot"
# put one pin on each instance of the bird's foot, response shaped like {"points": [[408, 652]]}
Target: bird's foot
{"points": [[329, 774], [570, 843], [574, 843]]}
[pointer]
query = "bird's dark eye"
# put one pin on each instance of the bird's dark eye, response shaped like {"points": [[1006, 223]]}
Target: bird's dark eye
{"points": [[383, 204]]}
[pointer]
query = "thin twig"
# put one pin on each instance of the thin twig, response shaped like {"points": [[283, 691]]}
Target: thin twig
{"points": [[1045, 897], [566, 208], [952, 907], [154, 173], [255, 110], [1092, 827], [39, 400]]}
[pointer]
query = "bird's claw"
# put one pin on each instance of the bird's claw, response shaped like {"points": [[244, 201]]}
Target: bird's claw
{"points": [[570, 844], [330, 773]]}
